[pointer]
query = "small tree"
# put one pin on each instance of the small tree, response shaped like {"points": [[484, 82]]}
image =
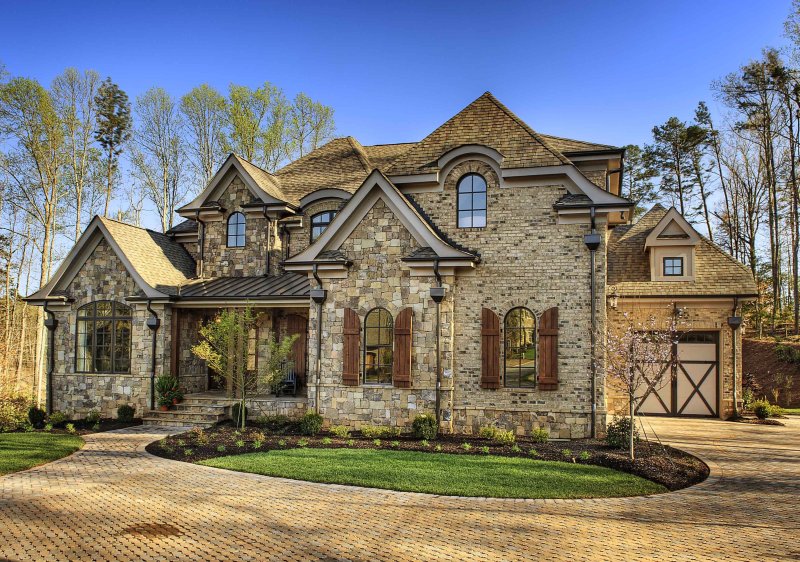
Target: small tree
{"points": [[640, 354], [225, 347]]}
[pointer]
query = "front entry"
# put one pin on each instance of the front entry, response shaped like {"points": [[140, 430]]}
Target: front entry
{"points": [[690, 388]]}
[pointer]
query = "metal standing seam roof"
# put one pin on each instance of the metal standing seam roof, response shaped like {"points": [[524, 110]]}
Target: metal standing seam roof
{"points": [[285, 286]]}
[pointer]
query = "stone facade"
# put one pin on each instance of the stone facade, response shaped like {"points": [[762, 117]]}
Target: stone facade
{"points": [[300, 238], [104, 277]]}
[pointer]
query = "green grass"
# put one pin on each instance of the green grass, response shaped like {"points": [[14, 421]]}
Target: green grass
{"points": [[444, 474], [792, 411], [19, 451]]}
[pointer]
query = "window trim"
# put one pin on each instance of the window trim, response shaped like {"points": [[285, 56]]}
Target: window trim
{"points": [[535, 343], [664, 266], [332, 212], [113, 318], [381, 346], [485, 208], [243, 235]]}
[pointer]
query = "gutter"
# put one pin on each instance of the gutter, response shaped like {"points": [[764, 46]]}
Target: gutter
{"points": [[153, 323], [202, 242], [592, 241], [318, 295], [437, 294], [50, 323]]}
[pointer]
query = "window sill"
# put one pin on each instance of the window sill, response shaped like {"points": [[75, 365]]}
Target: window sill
{"points": [[376, 385]]}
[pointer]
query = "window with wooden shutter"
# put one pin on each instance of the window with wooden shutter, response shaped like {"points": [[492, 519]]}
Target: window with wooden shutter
{"points": [[298, 325], [401, 367], [548, 349], [350, 352], [490, 349]]}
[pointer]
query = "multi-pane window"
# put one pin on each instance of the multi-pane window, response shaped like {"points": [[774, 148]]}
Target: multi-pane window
{"points": [[673, 267], [520, 348], [320, 222], [104, 338], [471, 201], [378, 338], [236, 225]]}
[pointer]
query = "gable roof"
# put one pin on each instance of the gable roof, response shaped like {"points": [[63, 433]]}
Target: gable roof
{"points": [[673, 229], [715, 272], [566, 145], [264, 186], [486, 122], [377, 186], [157, 264]]}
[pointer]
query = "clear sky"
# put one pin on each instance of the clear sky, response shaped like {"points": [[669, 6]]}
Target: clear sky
{"points": [[393, 71]]}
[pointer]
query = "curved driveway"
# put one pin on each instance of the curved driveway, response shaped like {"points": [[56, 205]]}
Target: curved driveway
{"points": [[113, 501]]}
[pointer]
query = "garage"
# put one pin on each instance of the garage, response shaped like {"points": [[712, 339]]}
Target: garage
{"points": [[689, 385]]}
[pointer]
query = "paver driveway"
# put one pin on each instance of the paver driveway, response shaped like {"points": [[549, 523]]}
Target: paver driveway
{"points": [[112, 501]]}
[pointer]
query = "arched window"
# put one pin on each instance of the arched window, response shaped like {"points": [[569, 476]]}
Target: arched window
{"points": [[236, 230], [378, 338], [104, 338], [471, 201], [520, 348], [320, 222]]}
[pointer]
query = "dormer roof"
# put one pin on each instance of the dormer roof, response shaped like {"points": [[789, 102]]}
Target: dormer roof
{"points": [[672, 230]]}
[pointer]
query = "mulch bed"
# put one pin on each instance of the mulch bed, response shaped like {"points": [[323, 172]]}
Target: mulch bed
{"points": [[83, 428], [672, 468], [757, 421]]}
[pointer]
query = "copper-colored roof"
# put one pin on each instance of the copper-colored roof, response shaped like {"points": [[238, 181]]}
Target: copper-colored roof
{"points": [[715, 272], [487, 122]]}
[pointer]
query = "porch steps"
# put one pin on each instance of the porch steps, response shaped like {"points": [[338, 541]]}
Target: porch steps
{"points": [[190, 412]]}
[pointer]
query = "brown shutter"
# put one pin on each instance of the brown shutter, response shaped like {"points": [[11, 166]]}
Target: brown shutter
{"points": [[350, 352], [490, 349], [298, 325], [548, 349], [401, 358]]}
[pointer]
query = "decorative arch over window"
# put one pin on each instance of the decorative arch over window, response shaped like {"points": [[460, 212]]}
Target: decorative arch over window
{"points": [[104, 338], [471, 189], [378, 348], [320, 222], [520, 348], [236, 224]]}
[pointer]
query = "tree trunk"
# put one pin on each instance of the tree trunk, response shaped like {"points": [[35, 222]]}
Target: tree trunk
{"points": [[630, 429]]}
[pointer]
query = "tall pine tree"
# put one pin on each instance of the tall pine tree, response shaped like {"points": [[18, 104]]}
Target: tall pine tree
{"points": [[113, 128]]}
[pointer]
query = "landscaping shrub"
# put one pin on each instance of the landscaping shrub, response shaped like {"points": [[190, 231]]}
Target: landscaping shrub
{"points": [[125, 413], [618, 433], [93, 417], [341, 431], [501, 436], [762, 409], [58, 418], [276, 422], [236, 414], [775, 411], [424, 427], [540, 435], [13, 412], [380, 431], [36, 417], [310, 423]]}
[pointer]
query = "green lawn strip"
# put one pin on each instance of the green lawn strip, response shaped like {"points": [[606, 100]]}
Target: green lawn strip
{"points": [[444, 474], [792, 411], [19, 451]]}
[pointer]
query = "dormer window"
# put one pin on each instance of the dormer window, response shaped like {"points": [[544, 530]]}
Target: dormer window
{"points": [[236, 224], [673, 267], [320, 222], [471, 191]]}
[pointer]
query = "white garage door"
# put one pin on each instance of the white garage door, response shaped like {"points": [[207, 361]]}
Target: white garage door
{"points": [[691, 389]]}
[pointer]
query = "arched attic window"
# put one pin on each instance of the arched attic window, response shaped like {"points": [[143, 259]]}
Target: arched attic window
{"points": [[236, 224], [320, 222], [471, 189]]}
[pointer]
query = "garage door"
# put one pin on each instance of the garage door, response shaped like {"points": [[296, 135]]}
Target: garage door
{"points": [[690, 387]]}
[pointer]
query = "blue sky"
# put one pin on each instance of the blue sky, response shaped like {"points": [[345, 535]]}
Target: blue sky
{"points": [[393, 71]]}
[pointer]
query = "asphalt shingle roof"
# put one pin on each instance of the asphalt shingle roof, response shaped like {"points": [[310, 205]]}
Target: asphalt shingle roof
{"points": [[715, 272], [573, 145]]}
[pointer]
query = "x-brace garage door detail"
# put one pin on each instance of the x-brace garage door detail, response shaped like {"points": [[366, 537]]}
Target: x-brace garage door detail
{"points": [[687, 386]]}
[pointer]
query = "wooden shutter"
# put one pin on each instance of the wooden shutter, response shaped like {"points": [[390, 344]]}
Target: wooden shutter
{"points": [[490, 349], [548, 350], [350, 352], [401, 357], [298, 325]]}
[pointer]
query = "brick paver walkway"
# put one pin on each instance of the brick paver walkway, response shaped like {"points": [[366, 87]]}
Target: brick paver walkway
{"points": [[112, 501]]}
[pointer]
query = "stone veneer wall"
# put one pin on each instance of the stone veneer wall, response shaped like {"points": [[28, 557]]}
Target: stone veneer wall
{"points": [[104, 277], [699, 316], [377, 278], [527, 259], [300, 238]]}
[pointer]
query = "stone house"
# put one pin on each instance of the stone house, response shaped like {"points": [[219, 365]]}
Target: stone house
{"points": [[463, 275]]}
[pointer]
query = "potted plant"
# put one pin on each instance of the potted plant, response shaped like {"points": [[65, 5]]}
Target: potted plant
{"points": [[167, 387], [164, 403]]}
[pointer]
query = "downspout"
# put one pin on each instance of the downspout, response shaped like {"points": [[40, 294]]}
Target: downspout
{"points": [[153, 323], [592, 242], [318, 295], [734, 322], [269, 239], [202, 241], [286, 239], [50, 323], [437, 294]]}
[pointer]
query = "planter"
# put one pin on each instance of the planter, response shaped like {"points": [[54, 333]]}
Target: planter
{"points": [[163, 408], [175, 401]]}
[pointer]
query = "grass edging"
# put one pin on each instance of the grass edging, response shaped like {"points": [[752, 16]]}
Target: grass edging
{"points": [[25, 450]]}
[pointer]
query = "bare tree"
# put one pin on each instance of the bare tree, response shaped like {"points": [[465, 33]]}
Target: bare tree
{"points": [[205, 115], [311, 124]]}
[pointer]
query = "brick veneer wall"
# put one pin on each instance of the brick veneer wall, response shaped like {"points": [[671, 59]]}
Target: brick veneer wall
{"points": [[104, 277]]}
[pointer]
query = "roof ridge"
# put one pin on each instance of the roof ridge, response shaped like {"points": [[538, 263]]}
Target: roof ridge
{"points": [[388, 144], [578, 140], [527, 127], [105, 218], [362, 156]]}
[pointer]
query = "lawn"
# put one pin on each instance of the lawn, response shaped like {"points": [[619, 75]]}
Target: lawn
{"points": [[444, 474], [792, 411], [19, 451]]}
